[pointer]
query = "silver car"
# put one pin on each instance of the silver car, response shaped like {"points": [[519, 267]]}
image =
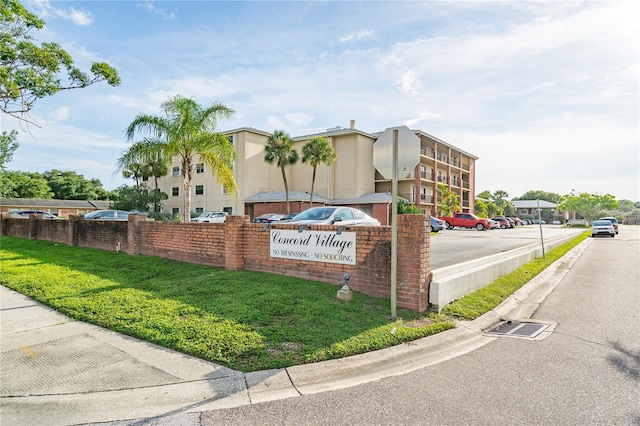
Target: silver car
{"points": [[613, 221], [331, 215], [602, 227], [24, 214]]}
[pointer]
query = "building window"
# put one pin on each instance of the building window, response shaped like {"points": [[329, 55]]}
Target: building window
{"points": [[200, 168], [175, 210], [423, 172], [145, 178], [54, 212], [175, 191], [228, 210], [225, 190], [199, 189], [199, 209], [175, 171]]}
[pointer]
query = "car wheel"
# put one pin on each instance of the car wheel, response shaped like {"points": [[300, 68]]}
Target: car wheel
{"points": [[479, 227]]}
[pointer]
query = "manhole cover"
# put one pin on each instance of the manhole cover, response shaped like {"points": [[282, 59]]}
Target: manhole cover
{"points": [[518, 329]]}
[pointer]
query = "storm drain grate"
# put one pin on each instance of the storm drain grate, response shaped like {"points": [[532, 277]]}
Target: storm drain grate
{"points": [[518, 329]]}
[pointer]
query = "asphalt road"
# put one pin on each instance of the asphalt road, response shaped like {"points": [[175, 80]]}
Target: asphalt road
{"points": [[459, 245], [587, 372]]}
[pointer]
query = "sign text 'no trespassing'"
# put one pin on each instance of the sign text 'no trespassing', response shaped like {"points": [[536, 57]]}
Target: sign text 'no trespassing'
{"points": [[314, 246]]}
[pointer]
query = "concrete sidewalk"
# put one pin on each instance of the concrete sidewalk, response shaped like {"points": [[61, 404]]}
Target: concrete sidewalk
{"points": [[57, 371]]}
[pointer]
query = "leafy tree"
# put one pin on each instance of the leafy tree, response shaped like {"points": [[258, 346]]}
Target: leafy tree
{"points": [[551, 197], [69, 185], [185, 131], [8, 146], [481, 208], [493, 209], [137, 198], [589, 206], [29, 71], [16, 184], [486, 195], [407, 208], [626, 205], [315, 152], [279, 149], [448, 202]]}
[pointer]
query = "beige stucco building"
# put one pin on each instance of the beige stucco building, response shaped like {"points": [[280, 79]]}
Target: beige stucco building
{"points": [[351, 180]]}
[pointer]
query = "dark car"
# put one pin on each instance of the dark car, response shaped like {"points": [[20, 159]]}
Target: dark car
{"points": [[268, 218], [107, 215]]}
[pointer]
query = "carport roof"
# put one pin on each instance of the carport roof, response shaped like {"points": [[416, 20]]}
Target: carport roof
{"points": [[533, 204], [279, 196], [56, 204]]}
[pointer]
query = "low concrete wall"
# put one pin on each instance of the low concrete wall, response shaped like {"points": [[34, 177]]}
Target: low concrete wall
{"points": [[453, 282]]}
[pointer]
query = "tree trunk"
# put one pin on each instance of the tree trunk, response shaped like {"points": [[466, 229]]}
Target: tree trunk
{"points": [[286, 188], [186, 183], [313, 182]]}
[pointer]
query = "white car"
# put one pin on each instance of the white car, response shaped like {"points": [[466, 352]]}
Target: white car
{"points": [[331, 215], [602, 227], [211, 217]]}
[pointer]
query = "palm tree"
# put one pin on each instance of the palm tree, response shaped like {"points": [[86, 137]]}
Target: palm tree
{"points": [[279, 149], [131, 163], [315, 152], [185, 131], [448, 201]]}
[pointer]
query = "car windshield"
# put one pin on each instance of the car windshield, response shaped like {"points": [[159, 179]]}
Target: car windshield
{"points": [[602, 223], [317, 213]]}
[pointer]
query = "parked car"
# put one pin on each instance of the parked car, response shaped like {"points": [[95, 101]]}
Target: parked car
{"points": [[331, 215], [602, 227], [494, 224], [466, 220], [437, 225], [211, 217], [576, 222], [288, 216], [539, 222], [107, 215], [613, 221], [24, 214], [268, 218], [516, 221], [504, 223], [555, 222]]}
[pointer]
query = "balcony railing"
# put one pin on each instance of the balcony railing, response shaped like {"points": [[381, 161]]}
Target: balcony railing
{"points": [[465, 203], [442, 179], [465, 167], [466, 185], [426, 198], [427, 151], [455, 182], [442, 157]]}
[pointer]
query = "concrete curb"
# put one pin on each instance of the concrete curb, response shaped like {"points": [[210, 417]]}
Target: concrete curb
{"points": [[204, 386]]}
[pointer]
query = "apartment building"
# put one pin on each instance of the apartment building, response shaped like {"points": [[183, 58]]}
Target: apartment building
{"points": [[351, 180]]}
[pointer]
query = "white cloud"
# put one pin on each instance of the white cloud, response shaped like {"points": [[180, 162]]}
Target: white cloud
{"points": [[151, 8], [78, 17], [409, 83], [362, 35]]}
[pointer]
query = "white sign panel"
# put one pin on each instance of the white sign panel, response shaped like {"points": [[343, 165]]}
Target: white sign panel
{"points": [[314, 246]]}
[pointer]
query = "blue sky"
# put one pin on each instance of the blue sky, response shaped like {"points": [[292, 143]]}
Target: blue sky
{"points": [[546, 94]]}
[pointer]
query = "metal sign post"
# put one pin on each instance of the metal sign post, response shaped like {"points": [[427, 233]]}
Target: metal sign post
{"points": [[394, 226], [540, 224]]}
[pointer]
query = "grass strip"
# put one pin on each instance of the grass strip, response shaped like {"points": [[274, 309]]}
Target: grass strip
{"points": [[485, 299], [244, 320]]}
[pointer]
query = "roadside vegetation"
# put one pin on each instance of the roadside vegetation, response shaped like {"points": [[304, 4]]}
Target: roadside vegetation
{"points": [[482, 301], [244, 320]]}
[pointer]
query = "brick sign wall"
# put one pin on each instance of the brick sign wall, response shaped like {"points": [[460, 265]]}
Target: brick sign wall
{"points": [[238, 244]]}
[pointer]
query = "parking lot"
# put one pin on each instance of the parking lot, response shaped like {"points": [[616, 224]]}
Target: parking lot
{"points": [[458, 245]]}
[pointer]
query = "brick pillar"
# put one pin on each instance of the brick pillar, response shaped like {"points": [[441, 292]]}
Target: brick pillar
{"points": [[74, 221], [33, 226], [234, 242], [414, 269], [133, 233]]}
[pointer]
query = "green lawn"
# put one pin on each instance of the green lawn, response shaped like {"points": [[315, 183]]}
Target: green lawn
{"points": [[247, 321]]}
